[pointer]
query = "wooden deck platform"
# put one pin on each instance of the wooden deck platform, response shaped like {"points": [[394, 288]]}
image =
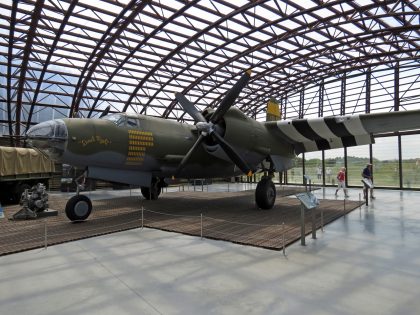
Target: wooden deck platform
{"points": [[229, 216]]}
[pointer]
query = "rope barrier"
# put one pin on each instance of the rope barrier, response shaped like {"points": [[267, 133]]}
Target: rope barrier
{"points": [[242, 223], [172, 215]]}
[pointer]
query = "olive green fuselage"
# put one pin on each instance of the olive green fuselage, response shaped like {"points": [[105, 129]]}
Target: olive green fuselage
{"points": [[156, 145]]}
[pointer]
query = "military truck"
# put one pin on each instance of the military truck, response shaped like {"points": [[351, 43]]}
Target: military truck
{"points": [[20, 169]]}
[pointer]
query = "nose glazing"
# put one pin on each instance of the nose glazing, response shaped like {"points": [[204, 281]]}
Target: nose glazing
{"points": [[50, 137]]}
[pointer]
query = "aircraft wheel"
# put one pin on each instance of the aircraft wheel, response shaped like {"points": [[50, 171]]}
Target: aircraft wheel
{"points": [[78, 208], [145, 191], [265, 194]]}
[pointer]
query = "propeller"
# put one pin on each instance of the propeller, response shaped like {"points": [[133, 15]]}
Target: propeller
{"points": [[208, 128], [189, 108], [105, 112]]}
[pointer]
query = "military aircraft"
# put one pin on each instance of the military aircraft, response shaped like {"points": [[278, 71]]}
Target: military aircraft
{"points": [[223, 142]]}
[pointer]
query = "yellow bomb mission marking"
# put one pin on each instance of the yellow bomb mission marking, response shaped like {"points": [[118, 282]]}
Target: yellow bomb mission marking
{"points": [[95, 139], [138, 142]]}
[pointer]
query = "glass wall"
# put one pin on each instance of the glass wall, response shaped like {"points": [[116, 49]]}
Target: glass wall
{"points": [[295, 174], [385, 162], [410, 161], [313, 167], [369, 90], [334, 160], [357, 159]]}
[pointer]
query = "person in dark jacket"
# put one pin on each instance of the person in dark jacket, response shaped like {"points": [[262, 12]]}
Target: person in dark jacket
{"points": [[367, 174]]}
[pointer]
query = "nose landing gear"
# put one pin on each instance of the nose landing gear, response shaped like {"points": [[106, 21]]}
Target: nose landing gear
{"points": [[79, 207]]}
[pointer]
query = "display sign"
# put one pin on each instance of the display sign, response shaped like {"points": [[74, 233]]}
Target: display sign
{"points": [[308, 199]]}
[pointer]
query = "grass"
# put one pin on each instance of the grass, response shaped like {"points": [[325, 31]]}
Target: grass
{"points": [[385, 173]]}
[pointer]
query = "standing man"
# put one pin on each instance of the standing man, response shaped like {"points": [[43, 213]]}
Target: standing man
{"points": [[319, 172], [341, 179], [368, 175], [328, 172]]}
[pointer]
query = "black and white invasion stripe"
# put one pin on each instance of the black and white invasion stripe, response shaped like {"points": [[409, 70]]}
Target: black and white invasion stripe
{"points": [[314, 134]]}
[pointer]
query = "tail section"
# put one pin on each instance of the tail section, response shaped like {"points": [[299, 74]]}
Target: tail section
{"points": [[273, 110]]}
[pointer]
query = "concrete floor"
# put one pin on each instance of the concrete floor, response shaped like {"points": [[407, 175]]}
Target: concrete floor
{"points": [[365, 263]]}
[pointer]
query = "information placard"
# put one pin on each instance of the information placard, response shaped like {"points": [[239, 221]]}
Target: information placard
{"points": [[308, 199]]}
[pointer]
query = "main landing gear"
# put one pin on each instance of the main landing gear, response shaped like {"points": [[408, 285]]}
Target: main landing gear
{"points": [[153, 192], [265, 194]]}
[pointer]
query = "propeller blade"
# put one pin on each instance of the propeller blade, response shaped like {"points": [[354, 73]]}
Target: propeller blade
{"points": [[105, 112], [232, 154], [189, 108], [189, 154], [230, 97]]}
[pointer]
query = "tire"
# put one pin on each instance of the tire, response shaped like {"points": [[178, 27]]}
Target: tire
{"points": [[265, 194], [78, 208], [145, 191]]}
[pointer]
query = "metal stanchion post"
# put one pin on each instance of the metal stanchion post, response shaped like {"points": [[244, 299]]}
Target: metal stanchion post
{"points": [[201, 218], [313, 223], [302, 225], [283, 240], [46, 234], [360, 201], [322, 220], [142, 217], [202, 185], [344, 206], [228, 186]]}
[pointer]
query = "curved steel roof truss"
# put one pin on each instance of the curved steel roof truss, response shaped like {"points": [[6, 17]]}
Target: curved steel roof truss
{"points": [[68, 56]]}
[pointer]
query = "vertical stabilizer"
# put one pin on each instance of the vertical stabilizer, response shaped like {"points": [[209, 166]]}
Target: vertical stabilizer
{"points": [[273, 110]]}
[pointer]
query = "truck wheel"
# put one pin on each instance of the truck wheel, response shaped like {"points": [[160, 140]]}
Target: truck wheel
{"points": [[78, 208], [265, 194]]}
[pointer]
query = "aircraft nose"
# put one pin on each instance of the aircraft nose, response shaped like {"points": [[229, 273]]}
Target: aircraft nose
{"points": [[50, 137]]}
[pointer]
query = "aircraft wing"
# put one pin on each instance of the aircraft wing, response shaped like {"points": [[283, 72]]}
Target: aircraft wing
{"points": [[314, 134]]}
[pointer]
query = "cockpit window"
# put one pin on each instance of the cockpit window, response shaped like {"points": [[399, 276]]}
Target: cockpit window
{"points": [[123, 121], [117, 119], [132, 122]]}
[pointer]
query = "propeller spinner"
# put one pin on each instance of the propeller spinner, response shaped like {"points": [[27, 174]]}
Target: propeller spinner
{"points": [[208, 128]]}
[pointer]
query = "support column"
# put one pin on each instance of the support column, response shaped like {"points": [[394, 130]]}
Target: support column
{"points": [[343, 96], [397, 87], [368, 77], [321, 100]]}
